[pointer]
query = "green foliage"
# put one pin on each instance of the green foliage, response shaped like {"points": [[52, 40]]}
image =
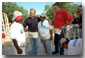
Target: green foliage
{"points": [[69, 6], [9, 8]]}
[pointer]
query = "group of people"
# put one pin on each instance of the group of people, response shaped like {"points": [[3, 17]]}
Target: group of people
{"points": [[40, 29]]}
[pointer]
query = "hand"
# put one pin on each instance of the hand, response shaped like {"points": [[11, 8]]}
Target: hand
{"points": [[80, 26], [62, 27], [51, 37], [19, 51]]}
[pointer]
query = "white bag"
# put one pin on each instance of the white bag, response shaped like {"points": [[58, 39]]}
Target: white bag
{"points": [[57, 31]]}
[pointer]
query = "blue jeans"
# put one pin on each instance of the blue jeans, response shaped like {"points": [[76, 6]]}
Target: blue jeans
{"points": [[80, 31], [74, 29], [35, 44], [47, 46], [65, 30]]}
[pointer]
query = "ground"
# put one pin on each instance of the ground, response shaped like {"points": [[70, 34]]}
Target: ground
{"points": [[8, 50]]}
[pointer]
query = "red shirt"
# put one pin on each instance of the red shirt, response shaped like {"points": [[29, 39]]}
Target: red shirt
{"points": [[61, 17]]}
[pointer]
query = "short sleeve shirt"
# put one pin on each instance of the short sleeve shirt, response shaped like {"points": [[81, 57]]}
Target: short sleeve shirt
{"points": [[61, 17], [17, 32], [32, 24], [44, 29]]}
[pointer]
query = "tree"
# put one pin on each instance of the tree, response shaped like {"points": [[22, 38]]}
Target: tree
{"points": [[9, 8], [69, 6]]}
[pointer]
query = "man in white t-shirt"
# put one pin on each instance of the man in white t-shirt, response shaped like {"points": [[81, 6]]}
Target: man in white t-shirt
{"points": [[18, 34], [45, 33]]}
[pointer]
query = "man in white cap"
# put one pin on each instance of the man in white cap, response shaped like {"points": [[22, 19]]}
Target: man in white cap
{"points": [[45, 32], [18, 34]]}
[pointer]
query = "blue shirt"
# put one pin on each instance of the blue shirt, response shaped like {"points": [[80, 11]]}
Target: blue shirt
{"points": [[32, 24]]}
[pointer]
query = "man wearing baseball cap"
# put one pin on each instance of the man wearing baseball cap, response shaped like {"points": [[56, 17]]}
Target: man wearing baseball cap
{"points": [[45, 32], [18, 34]]}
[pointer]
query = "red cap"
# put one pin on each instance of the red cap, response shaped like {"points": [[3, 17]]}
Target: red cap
{"points": [[18, 18]]}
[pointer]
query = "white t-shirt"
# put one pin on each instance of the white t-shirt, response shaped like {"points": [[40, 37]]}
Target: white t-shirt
{"points": [[17, 32], [77, 49], [44, 29]]}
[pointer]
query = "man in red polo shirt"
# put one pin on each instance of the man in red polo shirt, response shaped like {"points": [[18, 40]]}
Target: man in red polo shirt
{"points": [[61, 20]]}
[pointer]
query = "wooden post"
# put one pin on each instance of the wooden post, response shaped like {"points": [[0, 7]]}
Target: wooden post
{"points": [[5, 25]]}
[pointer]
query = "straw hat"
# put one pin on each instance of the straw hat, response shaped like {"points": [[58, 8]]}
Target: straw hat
{"points": [[43, 15]]}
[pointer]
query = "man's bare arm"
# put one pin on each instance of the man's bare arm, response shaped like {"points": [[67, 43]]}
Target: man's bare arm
{"points": [[16, 46], [51, 35]]}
